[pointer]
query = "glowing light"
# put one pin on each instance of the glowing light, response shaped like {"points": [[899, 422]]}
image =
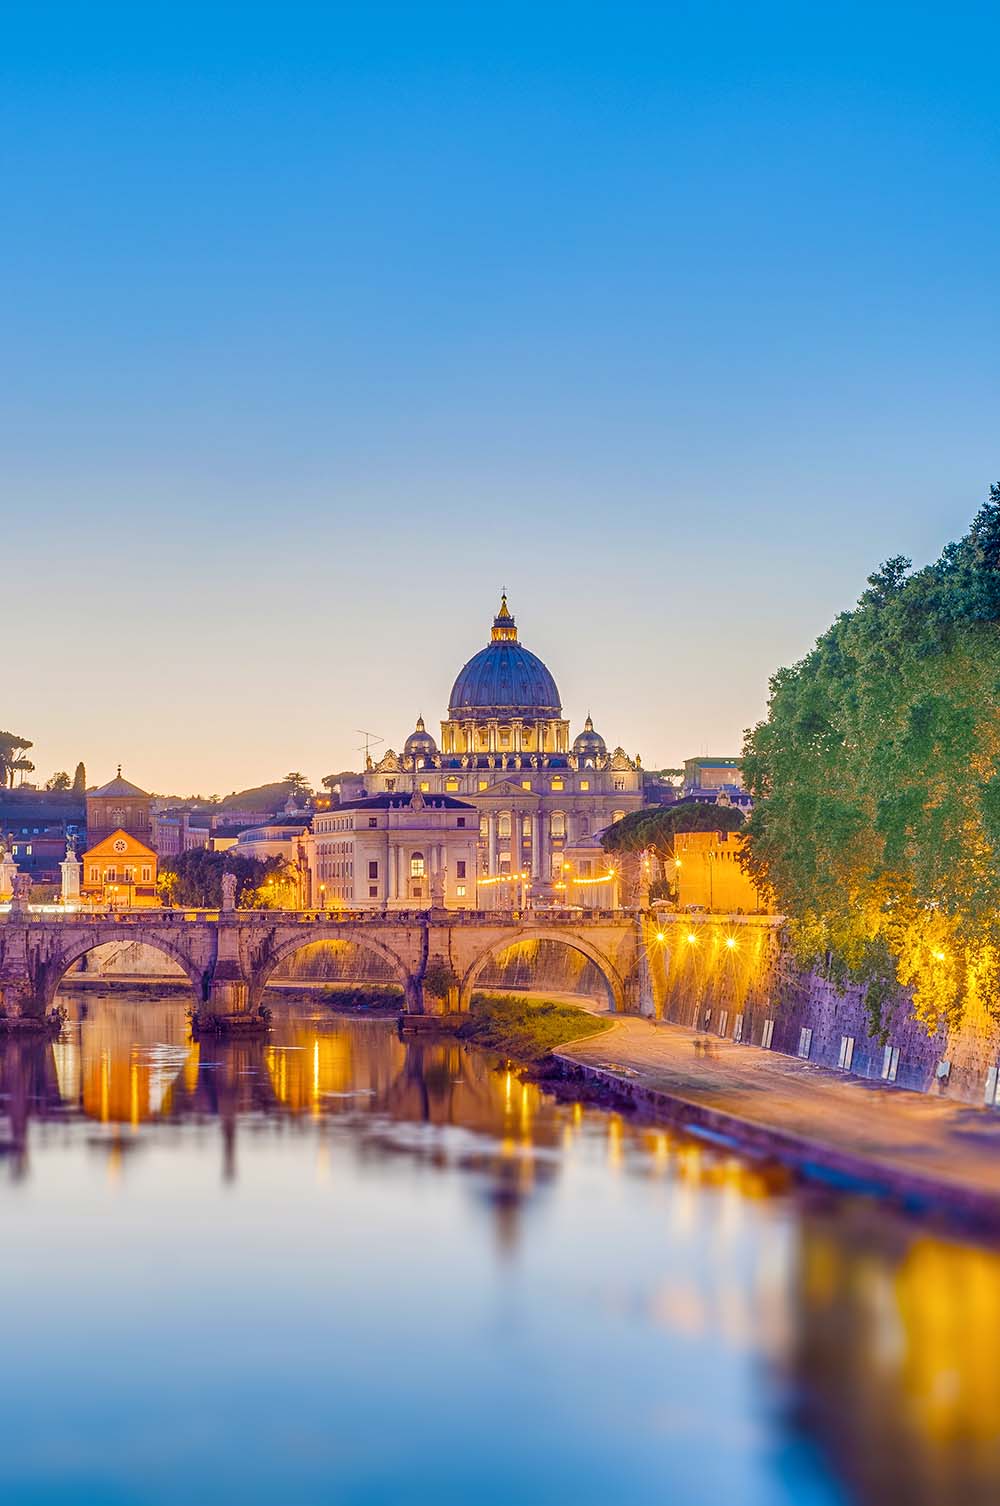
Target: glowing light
{"points": [[660, 936], [939, 956], [692, 939], [730, 942]]}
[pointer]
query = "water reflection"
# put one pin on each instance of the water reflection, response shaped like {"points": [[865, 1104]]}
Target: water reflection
{"points": [[653, 1318]]}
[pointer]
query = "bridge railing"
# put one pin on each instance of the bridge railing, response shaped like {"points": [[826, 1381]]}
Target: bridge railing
{"points": [[151, 916]]}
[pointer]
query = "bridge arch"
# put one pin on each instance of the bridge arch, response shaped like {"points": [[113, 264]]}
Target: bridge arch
{"points": [[263, 971], [610, 975], [54, 969]]}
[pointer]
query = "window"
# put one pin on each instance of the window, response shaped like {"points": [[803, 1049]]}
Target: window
{"points": [[738, 1028], [424, 786], [390, 785], [505, 739], [619, 784], [618, 815], [417, 865], [846, 1052], [526, 784], [585, 784], [373, 820], [526, 826], [767, 1034], [585, 826], [557, 824], [451, 784], [503, 824], [585, 868], [110, 875], [130, 875], [558, 784], [483, 785], [373, 891], [460, 890], [373, 870], [460, 822], [805, 1041], [890, 1063], [95, 874], [460, 870]]}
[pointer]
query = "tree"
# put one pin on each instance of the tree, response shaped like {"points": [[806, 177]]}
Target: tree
{"points": [[79, 780], [298, 783], [59, 781], [876, 784], [330, 781], [194, 879], [655, 829], [12, 760]]}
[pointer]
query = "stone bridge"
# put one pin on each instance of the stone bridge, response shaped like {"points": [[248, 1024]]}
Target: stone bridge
{"points": [[229, 955]]}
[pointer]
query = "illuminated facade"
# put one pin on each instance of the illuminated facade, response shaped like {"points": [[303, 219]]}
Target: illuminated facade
{"points": [[708, 874], [506, 750], [119, 871], [119, 806], [395, 851]]}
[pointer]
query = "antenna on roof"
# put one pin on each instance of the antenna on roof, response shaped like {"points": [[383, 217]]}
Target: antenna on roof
{"points": [[372, 740]]}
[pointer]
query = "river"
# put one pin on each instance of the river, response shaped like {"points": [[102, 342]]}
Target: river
{"points": [[335, 1267]]}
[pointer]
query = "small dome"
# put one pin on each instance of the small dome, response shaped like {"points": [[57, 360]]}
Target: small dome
{"points": [[504, 678], [420, 744], [588, 744]]}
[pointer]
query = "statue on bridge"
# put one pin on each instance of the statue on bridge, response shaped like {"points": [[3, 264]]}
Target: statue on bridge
{"points": [[229, 882]]}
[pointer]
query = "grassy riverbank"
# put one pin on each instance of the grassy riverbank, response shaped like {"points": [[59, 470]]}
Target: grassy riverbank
{"points": [[526, 1029]]}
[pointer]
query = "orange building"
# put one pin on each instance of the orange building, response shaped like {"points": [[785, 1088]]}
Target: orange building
{"points": [[118, 805], [708, 873], [119, 871]]}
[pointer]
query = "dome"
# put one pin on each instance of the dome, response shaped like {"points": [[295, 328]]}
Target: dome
{"points": [[420, 744], [588, 744], [504, 679]]}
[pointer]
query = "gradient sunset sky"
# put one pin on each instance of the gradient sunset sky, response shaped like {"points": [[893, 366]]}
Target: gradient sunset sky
{"points": [[322, 323]]}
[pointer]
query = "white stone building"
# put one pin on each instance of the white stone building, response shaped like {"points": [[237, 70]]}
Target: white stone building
{"points": [[506, 749], [398, 850]]}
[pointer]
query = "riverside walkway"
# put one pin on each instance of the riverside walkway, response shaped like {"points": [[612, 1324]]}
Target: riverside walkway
{"points": [[929, 1152]]}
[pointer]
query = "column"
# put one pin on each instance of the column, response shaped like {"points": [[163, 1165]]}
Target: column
{"points": [[535, 829], [492, 839]]}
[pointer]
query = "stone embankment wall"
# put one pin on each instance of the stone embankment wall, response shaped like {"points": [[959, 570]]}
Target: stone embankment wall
{"points": [[731, 975]]}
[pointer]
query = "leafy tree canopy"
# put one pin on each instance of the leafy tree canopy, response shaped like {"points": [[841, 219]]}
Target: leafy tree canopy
{"points": [[656, 828], [79, 780], [330, 781], [60, 781], [876, 783], [12, 759], [195, 878]]}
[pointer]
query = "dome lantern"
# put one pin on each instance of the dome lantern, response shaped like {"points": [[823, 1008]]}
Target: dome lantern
{"points": [[504, 679]]}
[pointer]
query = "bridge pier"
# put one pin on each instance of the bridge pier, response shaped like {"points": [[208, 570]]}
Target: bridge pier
{"points": [[226, 1008], [21, 1004]]}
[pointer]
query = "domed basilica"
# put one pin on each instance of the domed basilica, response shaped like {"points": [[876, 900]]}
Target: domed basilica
{"points": [[505, 748]]}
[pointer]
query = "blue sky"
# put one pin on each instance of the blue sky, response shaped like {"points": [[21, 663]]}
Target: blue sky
{"points": [[320, 323]]}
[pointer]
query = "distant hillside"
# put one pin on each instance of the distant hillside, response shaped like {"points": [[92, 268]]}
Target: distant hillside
{"points": [[265, 797]]}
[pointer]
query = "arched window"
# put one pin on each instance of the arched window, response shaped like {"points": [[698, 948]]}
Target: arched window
{"points": [[585, 826], [417, 865], [557, 823], [503, 824], [618, 815], [526, 826]]}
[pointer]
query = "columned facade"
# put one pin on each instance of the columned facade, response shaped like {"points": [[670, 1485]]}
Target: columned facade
{"points": [[506, 750]]}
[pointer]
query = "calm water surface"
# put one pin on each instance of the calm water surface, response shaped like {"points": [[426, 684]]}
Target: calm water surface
{"points": [[336, 1268]]}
